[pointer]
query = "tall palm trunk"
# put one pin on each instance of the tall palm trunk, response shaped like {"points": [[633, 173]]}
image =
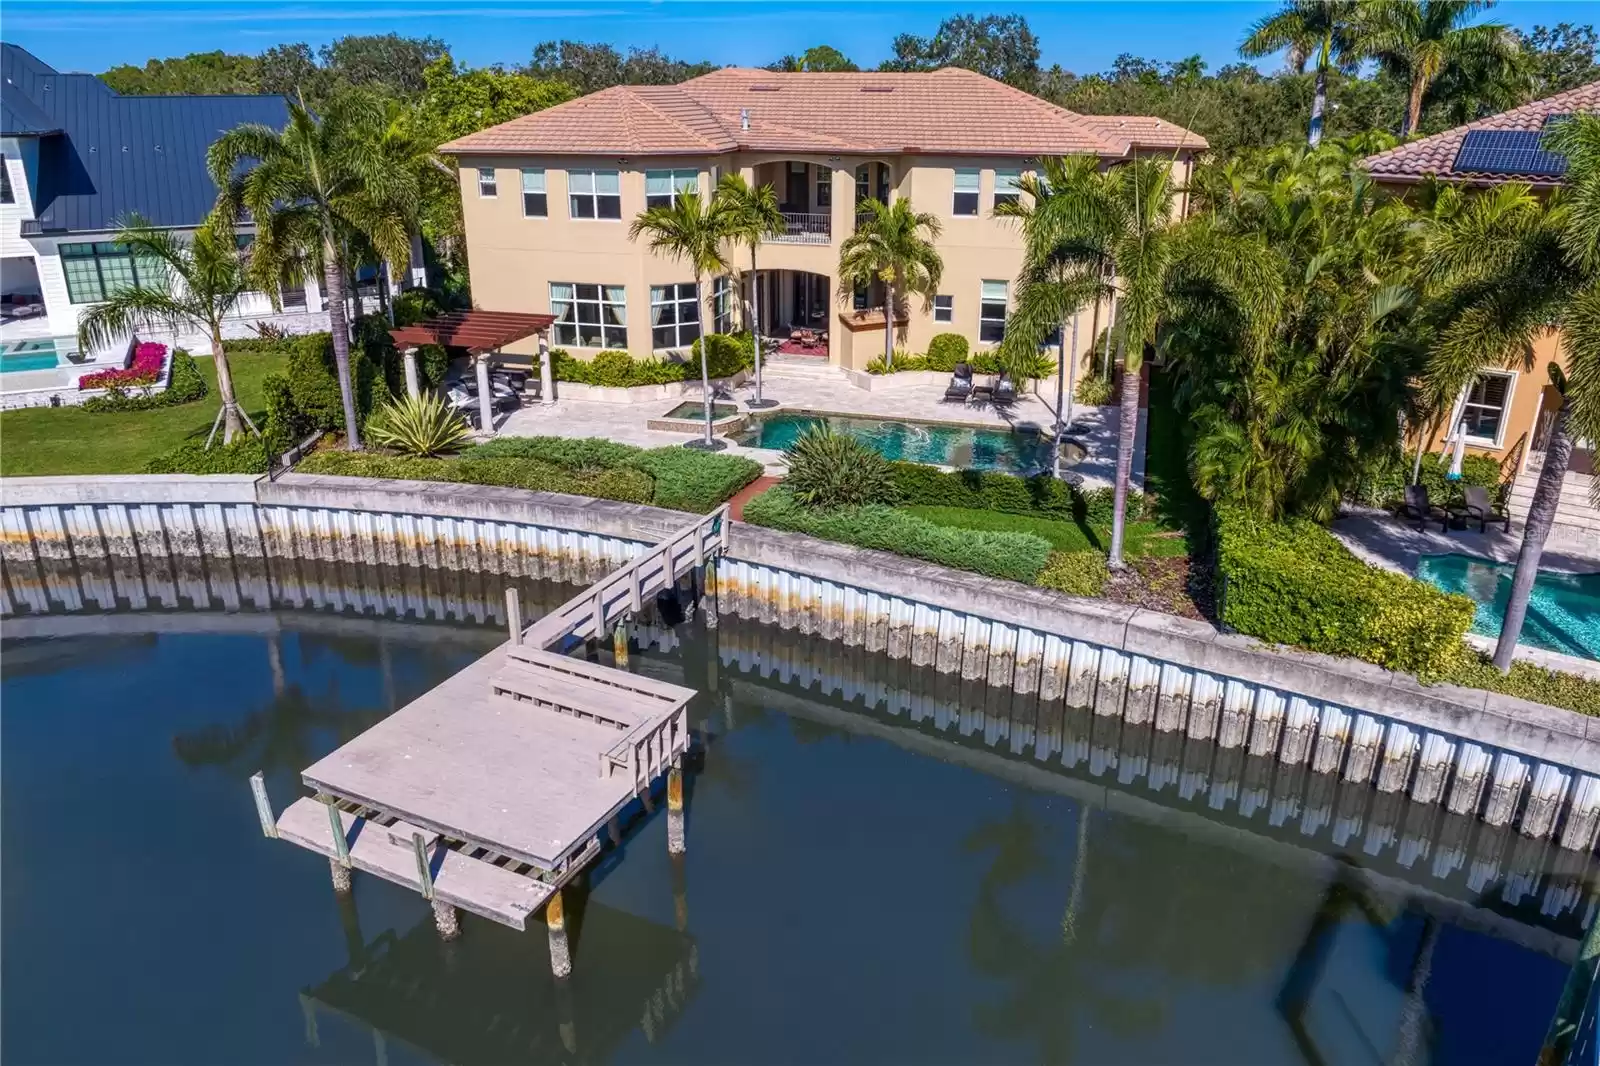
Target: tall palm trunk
{"points": [[755, 321], [1127, 435], [232, 422], [705, 366], [1413, 117], [1319, 105], [339, 327], [888, 325], [1541, 515]]}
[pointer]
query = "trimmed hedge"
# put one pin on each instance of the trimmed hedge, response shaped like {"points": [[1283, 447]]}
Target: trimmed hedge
{"points": [[1015, 556], [684, 479], [1384, 484], [1082, 573], [1294, 583], [729, 354], [246, 455], [988, 490], [626, 485], [185, 385]]}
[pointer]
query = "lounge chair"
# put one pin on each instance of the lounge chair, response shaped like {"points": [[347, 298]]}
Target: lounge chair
{"points": [[960, 387], [1477, 507], [1004, 392], [1418, 508]]}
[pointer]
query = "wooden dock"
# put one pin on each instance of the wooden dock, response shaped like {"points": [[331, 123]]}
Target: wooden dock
{"points": [[490, 792]]}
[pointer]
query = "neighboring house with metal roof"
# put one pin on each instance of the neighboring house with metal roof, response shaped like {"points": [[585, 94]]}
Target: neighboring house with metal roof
{"points": [[78, 159], [547, 199], [1506, 412]]}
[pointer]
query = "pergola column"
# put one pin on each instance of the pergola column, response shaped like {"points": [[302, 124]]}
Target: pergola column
{"points": [[413, 389], [547, 374], [485, 393]]}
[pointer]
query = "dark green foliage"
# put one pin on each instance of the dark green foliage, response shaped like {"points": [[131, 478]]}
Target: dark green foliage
{"points": [[1100, 506], [413, 306], [1527, 681], [729, 353], [1096, 391], [985, 490], [832, 469], [433, 362], [187, 385], [315, 383], [372, 337], [285, 424], [1079, 573], [945, 351], [246, 455], [629, 486], [1384, 483], [276, 345], [1016, 556], [684, 479], [1039, 365], [1294, 583]]}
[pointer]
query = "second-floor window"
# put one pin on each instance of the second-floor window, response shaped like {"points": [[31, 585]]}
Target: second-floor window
{"points": [[824, 187], [662, 187], [590, 316], [1483, 407], [966, 199], [534, 202], [6, 195], [992, 312], [944, 308], [95, 271], [674, 316], [594, 194], [722, 305], [487, 187], [1006, 188]]}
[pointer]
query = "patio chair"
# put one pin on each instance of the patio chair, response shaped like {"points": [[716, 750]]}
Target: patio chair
{"points": [[1419, 508], [960, 388], [1477, 507], [1004, 392]]}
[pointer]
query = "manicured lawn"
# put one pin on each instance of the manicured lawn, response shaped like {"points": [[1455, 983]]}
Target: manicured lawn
{"points": [[1139, 539], [67, 440]]}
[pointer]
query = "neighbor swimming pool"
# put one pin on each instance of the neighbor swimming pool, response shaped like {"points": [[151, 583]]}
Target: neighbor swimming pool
{"points": [[41, 354], [1563, 612], [917, 442]]}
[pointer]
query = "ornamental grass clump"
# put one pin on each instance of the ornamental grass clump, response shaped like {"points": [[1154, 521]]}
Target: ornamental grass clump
{"points": [[419, 426], [832, 469]]}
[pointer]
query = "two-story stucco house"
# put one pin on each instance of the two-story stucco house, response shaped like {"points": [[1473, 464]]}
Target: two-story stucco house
{"points": [[548, 198], [78, 159]]}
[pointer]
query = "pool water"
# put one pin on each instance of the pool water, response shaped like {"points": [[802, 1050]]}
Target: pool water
{"points": [[1010, 451], [28, 355], [695, 410], [1563, 611]]}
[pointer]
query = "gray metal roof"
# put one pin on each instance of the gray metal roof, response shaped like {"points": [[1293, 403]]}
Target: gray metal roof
{"points": [[115, 155]]}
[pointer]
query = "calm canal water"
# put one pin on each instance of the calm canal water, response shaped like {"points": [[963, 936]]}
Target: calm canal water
{"points": [[856, 889]]}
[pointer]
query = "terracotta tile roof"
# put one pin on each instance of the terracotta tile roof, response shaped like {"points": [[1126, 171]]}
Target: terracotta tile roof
{"points": [[1436, 155], [947, 111]]}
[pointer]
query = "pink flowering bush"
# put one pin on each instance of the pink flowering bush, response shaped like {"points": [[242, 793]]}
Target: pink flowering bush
{"points": [[145, 368]]}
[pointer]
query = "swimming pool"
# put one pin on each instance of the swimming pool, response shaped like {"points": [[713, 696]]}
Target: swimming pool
{"points": [[1563, 612], [966, 447], [41, 354]]}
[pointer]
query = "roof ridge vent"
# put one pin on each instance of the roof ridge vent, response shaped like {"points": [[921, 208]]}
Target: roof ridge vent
{"points": [[877, 88], [765, 87]]}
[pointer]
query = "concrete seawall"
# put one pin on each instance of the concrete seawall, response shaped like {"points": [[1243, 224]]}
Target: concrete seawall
{"points": [[1508, 761]]}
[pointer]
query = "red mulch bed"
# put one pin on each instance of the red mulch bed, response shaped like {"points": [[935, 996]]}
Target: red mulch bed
{"points": [[748, 493]]}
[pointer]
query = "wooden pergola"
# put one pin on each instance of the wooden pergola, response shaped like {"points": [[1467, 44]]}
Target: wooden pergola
{"points": [[482, 334]]}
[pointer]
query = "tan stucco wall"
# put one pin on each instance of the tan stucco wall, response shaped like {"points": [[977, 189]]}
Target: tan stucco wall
{"points": [[1531, 392]]}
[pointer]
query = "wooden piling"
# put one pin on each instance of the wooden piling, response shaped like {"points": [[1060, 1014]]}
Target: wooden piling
{"points": [[619, 643], [446, 920], [514, 615], [560, 954], [675, 841], [258, 788]]}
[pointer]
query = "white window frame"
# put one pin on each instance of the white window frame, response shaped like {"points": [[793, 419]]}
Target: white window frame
{"points": [[944, 308], [1011, 192], [975, 175], [672, 295], [985, 319], [678, 183], [535, 176], [722, 304], [488, 183], [1505, 409], [591, 176], [612, 334]]}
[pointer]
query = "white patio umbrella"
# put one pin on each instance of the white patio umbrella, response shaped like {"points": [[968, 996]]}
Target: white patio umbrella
{"points": [[1458, 452]]}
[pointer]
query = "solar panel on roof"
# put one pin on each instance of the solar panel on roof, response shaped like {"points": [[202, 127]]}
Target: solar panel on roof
{"points": [[1508, 152]]}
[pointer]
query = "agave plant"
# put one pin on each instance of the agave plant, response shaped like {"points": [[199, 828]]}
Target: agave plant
{"points": [[832, 469], [418, 426]]}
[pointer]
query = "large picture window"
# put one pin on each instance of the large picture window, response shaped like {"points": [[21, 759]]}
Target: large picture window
{"points": [[594, 193], [674, 316], [662, 187], [590, 316], [1483, 407], [966, 200], [95, 271], [1007, 189], [992, 312], [534, 202]]}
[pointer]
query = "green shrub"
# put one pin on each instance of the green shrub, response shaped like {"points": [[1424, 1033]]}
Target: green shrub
{"points": [[314, 382], [413, 306], [904, 362], [1079, 573], [269, 345], [1016, 556], [728, 353], [945, 351], [685, 479], [1526, 681], [574, 453], [246, 455], [985, 490], [185, 385], [433, 362], [1100, 505], [418, 426], [832, 469], [629, 486], [1294, 583], [1384, 483], [1095, 391], [285, 425]]}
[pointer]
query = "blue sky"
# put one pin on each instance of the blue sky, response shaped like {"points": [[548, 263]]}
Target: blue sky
{"points": [[1081, 36]]}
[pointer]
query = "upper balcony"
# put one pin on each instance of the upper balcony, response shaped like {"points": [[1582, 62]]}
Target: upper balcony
{"points": [[804, 227]]}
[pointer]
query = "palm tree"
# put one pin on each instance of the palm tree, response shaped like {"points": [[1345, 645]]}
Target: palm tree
{"points": [[406, 144], [894, 245], [1532, 267], [1417, 40], [750, 215], [1319, 31], [692, 230], [202, 282], [312, 187]]}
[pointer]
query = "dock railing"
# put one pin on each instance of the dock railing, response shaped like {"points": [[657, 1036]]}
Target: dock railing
{"points": [[589, 614]]}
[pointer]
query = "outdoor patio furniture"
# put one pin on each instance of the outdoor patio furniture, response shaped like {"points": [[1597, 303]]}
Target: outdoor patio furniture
{"points": [[960, 388], [1004, 392], [1477, 507], [1418, 508]]}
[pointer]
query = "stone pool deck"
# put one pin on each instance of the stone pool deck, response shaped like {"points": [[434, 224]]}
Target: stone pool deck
{"points": [[830, 391]]}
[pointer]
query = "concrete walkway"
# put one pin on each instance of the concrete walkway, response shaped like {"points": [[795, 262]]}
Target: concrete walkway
{"points": [[830, 392]]}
